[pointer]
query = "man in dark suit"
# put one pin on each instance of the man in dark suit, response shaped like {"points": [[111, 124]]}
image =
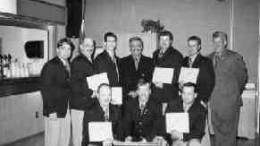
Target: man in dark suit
{"points": [[225, 102], [103, 111], [168, 57], [135, 67], [141, 115], [56, 92], [82, 99], [107, 61], [206, 78], [197, 116]]}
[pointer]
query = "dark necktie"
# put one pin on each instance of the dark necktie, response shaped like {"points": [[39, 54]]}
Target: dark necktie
{"points": [[190, 62], [67, 67], [160, 54]]}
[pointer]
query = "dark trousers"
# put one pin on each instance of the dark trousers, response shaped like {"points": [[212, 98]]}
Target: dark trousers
{"points": [[225, 127]]}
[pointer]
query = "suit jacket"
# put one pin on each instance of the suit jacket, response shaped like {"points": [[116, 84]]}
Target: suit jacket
{"points": [[170, 59], [96, 114], [197, 118], [141, 124], [81, 68], [104, 63], [206, 77], [130, 76], [231, 77], [55, 88]]}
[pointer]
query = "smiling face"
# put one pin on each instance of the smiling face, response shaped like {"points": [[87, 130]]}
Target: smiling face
{"points": [[165, 42], [104, 96], [144, 92], [87, 47], [111, 43], [64, 51], [188, 94], [136, 48], [193, 47], [219, 44]]}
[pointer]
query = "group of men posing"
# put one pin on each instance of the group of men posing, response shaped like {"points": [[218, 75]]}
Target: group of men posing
{"points": [[68, 100]]}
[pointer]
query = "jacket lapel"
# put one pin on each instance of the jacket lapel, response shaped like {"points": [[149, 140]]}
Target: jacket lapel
{"points": [[197, 61]]}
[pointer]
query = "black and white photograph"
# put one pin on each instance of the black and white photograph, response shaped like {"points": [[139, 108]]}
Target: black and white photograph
{"points": [[129, 72]]}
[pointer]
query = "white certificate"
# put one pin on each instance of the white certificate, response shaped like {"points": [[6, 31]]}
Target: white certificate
{"points": [[117, 96], [100, 131], [189, 75], [178, 122], [95, 80], [163, 75]]}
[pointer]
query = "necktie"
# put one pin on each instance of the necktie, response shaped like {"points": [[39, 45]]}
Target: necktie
{"points": [[160, 54], [67, 67], [106, 116], [216, 60], [190, 62], [142, 106], [136, 63]]}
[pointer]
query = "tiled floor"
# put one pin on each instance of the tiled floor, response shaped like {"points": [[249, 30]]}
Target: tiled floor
{"points": [[38, 140]]}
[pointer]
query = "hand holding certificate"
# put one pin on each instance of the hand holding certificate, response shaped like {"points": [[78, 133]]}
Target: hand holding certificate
{"points": [[100, 131], [189, 75], [178, 122], [117, 96], [95, 80], [163, 75]]}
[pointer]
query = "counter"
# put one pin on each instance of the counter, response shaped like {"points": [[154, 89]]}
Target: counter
{"points": [[14, 86]]}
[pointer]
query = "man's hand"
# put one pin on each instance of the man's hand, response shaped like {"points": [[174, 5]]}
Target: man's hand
{"points": [[157, 139], [175, 135], [128, 138], [158, 84], [133, 94], [107, 142], [53, 116]]}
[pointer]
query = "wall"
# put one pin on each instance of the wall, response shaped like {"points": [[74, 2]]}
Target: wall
{"points": [[8, 6], [246, 34], [182, 17], [14, 39]]}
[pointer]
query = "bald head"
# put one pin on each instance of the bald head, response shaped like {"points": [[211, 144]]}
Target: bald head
{"points": [[87, 47]]}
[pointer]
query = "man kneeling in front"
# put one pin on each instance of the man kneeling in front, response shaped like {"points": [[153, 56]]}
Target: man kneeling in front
{"points": [[196, 113]]}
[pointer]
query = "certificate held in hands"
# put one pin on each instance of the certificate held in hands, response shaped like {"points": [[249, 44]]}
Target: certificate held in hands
{"points": [[189, 75], [100, 131], [97, 79], [163, 75], [178, 122], [117, 96]]}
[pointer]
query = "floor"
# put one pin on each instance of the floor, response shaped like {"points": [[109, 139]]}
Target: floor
{"points": [[38, 140]]}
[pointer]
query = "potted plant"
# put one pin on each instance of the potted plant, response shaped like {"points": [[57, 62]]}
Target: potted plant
{"points": [[152, 26]]}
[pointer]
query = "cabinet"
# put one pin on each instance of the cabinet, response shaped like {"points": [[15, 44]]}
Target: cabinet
{"points": [[20, 116]]}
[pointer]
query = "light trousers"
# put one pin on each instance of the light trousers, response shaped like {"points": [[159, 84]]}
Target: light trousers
{"points": [[77, 126], [57, 132]]}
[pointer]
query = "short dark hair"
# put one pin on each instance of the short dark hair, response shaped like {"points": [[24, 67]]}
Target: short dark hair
{"points": [[166, 33], [189, 84], [195, 38], [221, 34], [109, 34], [67, 41], [102, 85], [136, 38]]}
